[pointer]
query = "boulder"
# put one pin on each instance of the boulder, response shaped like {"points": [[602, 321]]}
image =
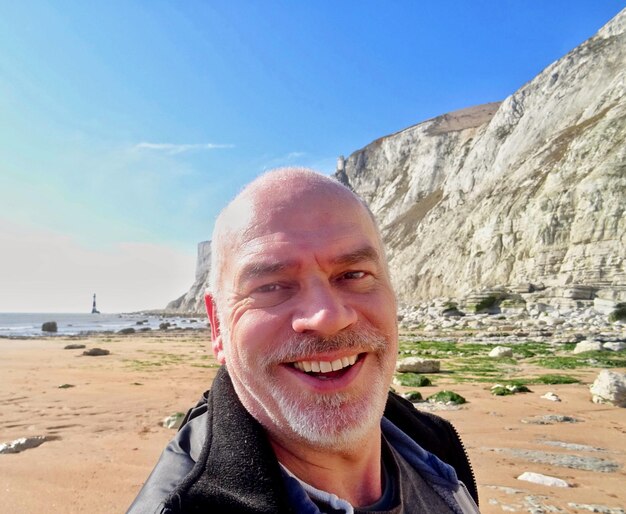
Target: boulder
{"points": [[501, 351], [165, 325], [95, 352], [614, 346], [609, 387], [49, 326], [23, 443], [538, 478], [129, 330], [588, 346], [418, 365]]}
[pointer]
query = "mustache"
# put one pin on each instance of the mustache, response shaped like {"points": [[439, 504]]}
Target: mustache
{"points": [[298, 346]]}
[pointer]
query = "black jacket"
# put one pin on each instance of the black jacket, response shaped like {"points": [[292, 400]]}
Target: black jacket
{"points": [[225, 464]]}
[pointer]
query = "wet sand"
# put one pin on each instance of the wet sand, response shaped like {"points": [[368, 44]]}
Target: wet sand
{"points": [[107, 435]]}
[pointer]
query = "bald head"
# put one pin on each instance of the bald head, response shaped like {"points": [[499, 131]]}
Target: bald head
{"points": [[274, 194]]}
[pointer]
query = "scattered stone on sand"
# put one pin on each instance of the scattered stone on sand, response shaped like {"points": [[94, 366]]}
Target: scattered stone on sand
{"points": [[550, 419], [564, 460], [506, 390], [173, 421], [538, 478], [49, 326], [551, 396], [66, 386], [588, 346], [413, 396], [74, 346], [417, 365], [573, 446], [125, 331], [602, 509], [23, 443], [95, 352], [501, 351], [609, 387], [447, 397]]}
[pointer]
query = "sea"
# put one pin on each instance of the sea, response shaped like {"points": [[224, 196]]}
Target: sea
{"points": [[29, 324]]}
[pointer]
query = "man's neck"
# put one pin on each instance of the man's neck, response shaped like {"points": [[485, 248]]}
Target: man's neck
{"points": [[353, 475]]}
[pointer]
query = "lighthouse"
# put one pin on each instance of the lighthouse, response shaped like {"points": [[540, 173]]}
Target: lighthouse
{"points": [[93, 309]]}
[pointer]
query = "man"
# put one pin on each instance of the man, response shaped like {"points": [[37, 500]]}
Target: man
{"points": [[303, 320]]}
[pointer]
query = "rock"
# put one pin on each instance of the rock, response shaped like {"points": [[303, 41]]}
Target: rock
{"points": [[550, 419], [74, 346], [588, 346], [594, 507], [49, 326], [614, 346], [538, 478], [95, 352], [165, 325], [564, 460], [447, 397], [125, 331], [23, 443], [609, 387], [66, 386], [413, 396], [551, 396], [501, 351], [173, 421], [505, 390], [417, 365]]}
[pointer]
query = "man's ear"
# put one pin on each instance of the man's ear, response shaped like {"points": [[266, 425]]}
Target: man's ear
{"points": [[216, 336]]}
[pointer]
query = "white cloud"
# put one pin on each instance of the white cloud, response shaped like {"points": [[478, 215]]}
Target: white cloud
{"points": [[174, 149], [44, 271], [288, 159]]}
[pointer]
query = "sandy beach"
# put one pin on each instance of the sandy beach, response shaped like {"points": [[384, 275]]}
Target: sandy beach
{"points": [[105, 433]]}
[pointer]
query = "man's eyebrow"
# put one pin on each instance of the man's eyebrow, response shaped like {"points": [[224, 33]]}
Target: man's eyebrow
{"points": [[366, 253], [260, 269]]}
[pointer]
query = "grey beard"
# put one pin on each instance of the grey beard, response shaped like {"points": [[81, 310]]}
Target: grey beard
{"points": [[338, 420]]}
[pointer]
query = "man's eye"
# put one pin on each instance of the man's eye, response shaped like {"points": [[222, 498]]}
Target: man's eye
{"points": [[353, 275], [269, 288]]}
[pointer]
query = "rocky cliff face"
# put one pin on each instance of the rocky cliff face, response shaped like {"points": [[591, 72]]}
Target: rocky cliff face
{"points": [[532, 190], [526, 194]]}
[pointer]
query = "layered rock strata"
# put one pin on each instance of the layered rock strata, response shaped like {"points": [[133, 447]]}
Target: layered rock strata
{"points": [[532, 190]]}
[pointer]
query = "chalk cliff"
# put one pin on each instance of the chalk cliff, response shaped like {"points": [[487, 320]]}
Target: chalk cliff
{"points": [[193, 301], [527, 193], [532, 190]]}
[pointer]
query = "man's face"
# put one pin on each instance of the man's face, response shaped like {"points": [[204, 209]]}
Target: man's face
{"points": [[310, 337]]}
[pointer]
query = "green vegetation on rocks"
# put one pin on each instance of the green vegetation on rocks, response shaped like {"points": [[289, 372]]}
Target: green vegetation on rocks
{"points": [[447, 397], [619, 314], [413, 396], [413, 380]]}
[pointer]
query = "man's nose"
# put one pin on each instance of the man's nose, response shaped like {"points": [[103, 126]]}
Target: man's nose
{"points": [[323, 310]]}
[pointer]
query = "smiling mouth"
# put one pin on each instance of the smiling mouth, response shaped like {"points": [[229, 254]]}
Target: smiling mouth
{"points": [[326, 369]]}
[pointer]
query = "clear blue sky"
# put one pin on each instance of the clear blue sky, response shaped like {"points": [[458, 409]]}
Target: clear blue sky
{"points": [[127, 125]]}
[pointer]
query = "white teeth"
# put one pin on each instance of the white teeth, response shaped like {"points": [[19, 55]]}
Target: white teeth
{"points": [[336, 365], [325, 366]]}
